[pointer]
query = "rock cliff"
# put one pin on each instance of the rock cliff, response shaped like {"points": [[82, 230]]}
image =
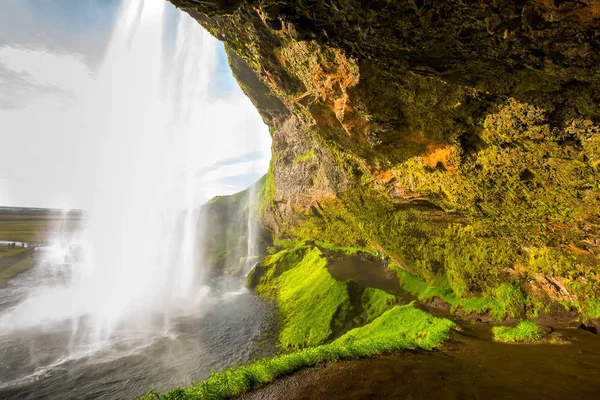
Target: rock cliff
{"points": [[461, 137]]}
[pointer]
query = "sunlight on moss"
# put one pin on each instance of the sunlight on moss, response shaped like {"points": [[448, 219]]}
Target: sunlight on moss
{"points": [[524, 332], [310, 301]]}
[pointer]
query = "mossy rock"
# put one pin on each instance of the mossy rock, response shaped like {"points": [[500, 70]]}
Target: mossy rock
{"points": [[461, 138]]}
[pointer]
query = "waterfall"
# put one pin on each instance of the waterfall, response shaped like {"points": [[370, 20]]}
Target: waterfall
{"points": [[252, 255], [133, 265]]}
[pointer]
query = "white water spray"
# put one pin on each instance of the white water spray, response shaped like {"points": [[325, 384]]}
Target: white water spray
{"points": [[134, 263]]}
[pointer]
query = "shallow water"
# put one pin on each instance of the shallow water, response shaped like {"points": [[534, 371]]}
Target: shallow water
{"points": [[45, 362], [366, 270]]}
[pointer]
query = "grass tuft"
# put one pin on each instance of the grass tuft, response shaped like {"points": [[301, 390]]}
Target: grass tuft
{"points": [[525, 332]]}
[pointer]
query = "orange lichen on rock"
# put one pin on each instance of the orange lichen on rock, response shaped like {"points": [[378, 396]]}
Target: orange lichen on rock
{"points": [[385, 176], [327, 75], [440, 156]]}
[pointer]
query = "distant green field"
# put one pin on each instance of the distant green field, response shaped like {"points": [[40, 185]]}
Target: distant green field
{"points": [[32, 226], [13, 261]]}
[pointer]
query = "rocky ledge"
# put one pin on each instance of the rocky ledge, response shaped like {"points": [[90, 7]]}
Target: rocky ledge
{"points": [[461, 137]]}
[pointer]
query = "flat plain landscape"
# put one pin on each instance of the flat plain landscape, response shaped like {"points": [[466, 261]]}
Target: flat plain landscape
{"points": [[22, 229], [35, 225]]}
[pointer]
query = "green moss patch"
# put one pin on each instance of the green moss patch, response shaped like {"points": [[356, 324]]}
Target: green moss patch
{"points": [[311, 303], [524, 332], [507, 300], [591, 309], [511, 299], [375, 302], [402, 323], [305, 157]]}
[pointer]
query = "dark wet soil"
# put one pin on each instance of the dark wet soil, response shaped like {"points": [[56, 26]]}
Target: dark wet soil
{"points": [[470, 366]]}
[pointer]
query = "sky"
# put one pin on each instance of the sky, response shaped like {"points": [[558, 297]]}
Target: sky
{"points": [[99, 96]]}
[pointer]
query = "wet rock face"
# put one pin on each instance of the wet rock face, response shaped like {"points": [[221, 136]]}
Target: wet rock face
{"points": [[462, 137]]}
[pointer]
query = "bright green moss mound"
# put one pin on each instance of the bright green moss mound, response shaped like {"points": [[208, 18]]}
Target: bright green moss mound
{"points": [[311, 303], [375, 302], [401, 323], [399, 328], [525, 332]]}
